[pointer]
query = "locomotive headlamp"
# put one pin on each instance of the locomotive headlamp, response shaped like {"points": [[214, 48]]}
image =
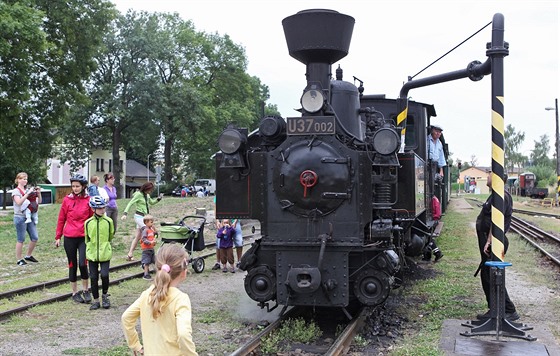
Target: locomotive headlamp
{"points": [[312, 100], [230, 141], [386, 141]]}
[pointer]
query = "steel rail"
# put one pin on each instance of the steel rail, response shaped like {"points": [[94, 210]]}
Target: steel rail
{"points": [[53, 283], [56, 282], [256, 340], [343, 342], [535, 213], [59, 297], [520, 232]]}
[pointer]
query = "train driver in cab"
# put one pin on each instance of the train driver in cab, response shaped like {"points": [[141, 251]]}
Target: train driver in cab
{"points": [[435, 150]]}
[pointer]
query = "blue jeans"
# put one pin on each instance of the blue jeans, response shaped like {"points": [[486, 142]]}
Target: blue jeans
{"points": [[21, 227]]}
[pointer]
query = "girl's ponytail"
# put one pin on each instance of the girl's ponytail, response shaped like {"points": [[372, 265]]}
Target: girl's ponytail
{"points": [[171, 261]]}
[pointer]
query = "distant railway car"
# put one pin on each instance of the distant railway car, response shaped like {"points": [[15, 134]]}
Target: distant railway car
{"points": [[528, 186]]}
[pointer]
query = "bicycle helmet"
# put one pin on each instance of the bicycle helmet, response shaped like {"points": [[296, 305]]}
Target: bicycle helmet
{"points": [[97, 202], [79, 178]]}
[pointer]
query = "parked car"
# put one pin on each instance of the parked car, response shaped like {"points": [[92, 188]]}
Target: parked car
{"points": [[177, 191]]}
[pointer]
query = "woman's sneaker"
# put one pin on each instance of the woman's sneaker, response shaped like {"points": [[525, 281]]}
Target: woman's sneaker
{"points": [[95, 306], [78, 298], [87, 296], [105, 301], [31, 259]]}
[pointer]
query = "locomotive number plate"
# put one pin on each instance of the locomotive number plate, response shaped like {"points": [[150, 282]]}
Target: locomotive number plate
{"points": [[311, 125]]}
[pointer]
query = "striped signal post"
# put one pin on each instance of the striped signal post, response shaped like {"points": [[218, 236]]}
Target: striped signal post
{"points": [[497, 51], [498, 325]]}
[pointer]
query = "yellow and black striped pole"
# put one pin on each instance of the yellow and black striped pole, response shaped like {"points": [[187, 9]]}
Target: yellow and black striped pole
{"points": [[402, 106], [497, 50]]}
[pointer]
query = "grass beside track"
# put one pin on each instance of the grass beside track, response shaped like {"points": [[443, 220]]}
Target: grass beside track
{"points": [[454, 293]]}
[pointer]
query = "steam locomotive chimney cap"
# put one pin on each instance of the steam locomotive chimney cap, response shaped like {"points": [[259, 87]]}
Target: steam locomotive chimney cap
{"points": [[318, 35]]}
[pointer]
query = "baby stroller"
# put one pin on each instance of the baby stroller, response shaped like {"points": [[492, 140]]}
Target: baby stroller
{"points": [[189, 232]]}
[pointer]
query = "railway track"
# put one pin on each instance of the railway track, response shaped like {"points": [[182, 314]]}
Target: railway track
{"points": [[547, 244], [124, 269], [339, 345], [536, 213]]}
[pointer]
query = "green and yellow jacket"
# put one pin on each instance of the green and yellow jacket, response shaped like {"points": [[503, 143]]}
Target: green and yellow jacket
{"points": [[99, 232]]}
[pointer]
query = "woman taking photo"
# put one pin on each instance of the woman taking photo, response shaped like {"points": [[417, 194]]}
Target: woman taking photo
{"points": [[142, 200], [19, 196], [73, 214]]}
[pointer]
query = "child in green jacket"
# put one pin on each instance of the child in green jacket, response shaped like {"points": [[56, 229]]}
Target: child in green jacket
{"points": [[99, 232]]}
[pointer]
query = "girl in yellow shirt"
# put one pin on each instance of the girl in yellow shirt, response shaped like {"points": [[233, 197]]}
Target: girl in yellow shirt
{"points": [[164, 311]]}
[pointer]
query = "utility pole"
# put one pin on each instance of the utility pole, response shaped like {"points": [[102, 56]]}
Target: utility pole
{"points": [[555, 108]]}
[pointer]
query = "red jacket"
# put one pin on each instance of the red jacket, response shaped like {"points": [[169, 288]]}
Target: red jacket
{"points": [[436, 208], [73, 214]]}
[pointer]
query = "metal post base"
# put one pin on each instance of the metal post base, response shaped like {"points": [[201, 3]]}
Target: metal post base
{"points": [[490, 327], [498, 325]]}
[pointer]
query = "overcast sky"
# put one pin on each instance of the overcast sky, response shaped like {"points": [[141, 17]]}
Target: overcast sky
{"points": [[393, 40]]}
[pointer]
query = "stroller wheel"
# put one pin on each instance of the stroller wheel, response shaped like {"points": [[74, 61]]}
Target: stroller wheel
{"points": [[198, 264]]}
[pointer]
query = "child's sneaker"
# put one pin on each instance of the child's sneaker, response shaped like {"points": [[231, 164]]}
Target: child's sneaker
{"points": [[147, 277], [36, 221], [21, 262], [216, 267], [28, 221], [224, 270], [105, 301], [232, 270]]}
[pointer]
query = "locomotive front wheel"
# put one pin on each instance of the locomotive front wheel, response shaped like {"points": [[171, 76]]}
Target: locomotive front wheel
{"points": [[372, 287], [198, 264]]}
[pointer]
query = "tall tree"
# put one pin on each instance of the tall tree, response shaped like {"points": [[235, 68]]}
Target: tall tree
{"points": [[176, 60], [119, 93], [22, 46], [513, 141], [539, 154], [45, 54]]}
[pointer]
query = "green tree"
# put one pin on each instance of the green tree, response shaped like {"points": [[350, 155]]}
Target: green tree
{"points": [[228, 95], [539, 154], [176, 61], [513, 141], [119, 94], [22, 47], [45, 54]]}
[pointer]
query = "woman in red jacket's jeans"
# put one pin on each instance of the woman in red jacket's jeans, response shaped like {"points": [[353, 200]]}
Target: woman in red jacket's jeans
{"points": [[73, 213]]}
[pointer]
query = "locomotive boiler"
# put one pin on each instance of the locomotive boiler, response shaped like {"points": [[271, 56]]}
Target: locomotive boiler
{"points": [[343, 192]]}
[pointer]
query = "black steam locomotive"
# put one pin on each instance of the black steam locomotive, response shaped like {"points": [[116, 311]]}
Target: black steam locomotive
{"points": [[343, 192]]}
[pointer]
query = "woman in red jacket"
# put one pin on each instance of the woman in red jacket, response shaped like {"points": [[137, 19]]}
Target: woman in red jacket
{"points": [[74, 212]]}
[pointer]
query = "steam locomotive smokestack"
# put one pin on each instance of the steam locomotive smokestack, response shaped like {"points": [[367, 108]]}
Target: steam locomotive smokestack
{"points": [[318, 38]]}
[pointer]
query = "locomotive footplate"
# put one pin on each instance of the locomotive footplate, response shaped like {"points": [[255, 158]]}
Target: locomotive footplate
{"points": [[307, 284]]}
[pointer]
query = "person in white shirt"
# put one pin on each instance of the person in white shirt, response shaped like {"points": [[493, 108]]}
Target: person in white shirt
{"points": [[435, 149]]}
